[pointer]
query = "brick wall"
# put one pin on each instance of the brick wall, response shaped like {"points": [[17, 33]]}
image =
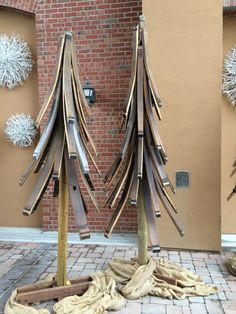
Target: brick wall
{"points": [[229, 7], [103, 31], [229, 3]]}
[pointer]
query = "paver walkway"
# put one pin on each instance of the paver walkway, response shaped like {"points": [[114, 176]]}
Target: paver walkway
{"points": [[24, 263]]}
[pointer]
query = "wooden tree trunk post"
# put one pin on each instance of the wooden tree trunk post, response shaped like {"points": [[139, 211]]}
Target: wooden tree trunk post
{"points": [[62, 228], [142, 230]]}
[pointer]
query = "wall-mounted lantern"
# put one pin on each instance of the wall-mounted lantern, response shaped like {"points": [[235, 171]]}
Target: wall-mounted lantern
{"points": [[89, 92]]}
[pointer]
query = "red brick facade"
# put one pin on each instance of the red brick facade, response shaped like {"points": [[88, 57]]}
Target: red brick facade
{"points": [[103, 31], [229, 3], [229, 7]]}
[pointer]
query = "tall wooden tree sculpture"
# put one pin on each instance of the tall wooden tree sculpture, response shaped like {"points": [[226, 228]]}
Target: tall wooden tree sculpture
{"points": [[61, 150], [139, 169]]}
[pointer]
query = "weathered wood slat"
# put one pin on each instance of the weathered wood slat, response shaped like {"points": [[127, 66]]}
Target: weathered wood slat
{"points": [[156, 111], [152, 122], [80, 91], [168, 208], [91, 195], [85, 206], [60, 145], [133, 70], [129, 150], [117, 162], [80, 149], [140, 157], [91, 157], [88, 136], [150, 213], [114, 170], [78, 106], [140, 78], [58, 156], [67, 81], [69, 132], [150, 182], [130, 128], [121, 205], [117, 188], [156, 97], [27, 172], [42, 159], [42, 179], [156, 159], [157, 181], [56, 188], [36, 286], [52, 293], [169, 200], [75, 197], [34, 166], [83, 121], [135, 183], [90, 183], [55, 81], [47, 132]]}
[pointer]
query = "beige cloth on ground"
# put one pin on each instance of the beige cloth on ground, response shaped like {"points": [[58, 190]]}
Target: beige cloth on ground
{"points": [[100, 296], [141, 281], [134, 282], [231, 265], [12, 307]]}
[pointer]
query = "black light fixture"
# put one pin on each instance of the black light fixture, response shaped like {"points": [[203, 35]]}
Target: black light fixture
{"points": [[89, 92]]}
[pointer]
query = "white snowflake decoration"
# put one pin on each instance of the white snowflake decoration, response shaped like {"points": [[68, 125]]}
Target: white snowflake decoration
{"points": [[20, 129], [229, 76], [15, 61]]}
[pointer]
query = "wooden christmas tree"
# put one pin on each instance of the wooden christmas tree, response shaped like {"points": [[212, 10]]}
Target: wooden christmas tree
{"points": [[138, 173], [63, 148]]}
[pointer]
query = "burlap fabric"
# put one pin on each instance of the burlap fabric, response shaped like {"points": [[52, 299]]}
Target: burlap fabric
{"points": [[231, 265], [125, 279]]}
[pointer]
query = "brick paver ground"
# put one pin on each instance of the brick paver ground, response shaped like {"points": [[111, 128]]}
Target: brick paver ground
{"points": [[23, 263]]}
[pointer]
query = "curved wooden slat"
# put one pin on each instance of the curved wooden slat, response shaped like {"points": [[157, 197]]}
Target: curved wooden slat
{"points": [[150, 212], [91, 195], [67, 81], [42, 180], [135, 184], [79, 108], [75, 196], [77, 79], [120, 207], [156, 97], [59, 148], [55, 81], [149, 180], [140, 78], [28, 171], [140, 157], [152, 123], [167, 207], [69, 134], [47, 132], [80, 149], [117, 188], [156, 159], [133, 70]]}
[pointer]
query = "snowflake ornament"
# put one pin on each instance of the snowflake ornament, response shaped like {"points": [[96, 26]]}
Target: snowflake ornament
{"points": [[20, 129], [15, 61], [229, 76]]}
